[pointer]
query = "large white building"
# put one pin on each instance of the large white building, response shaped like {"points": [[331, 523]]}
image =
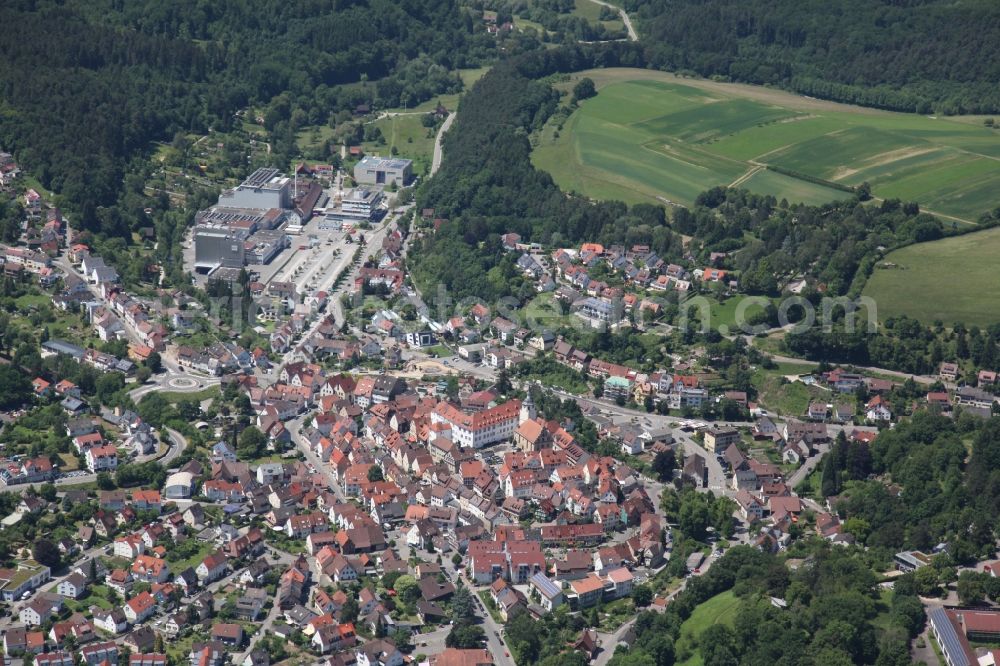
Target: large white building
{"points": [[361, 203], [375, 170], [481, 428], [264, 189]]}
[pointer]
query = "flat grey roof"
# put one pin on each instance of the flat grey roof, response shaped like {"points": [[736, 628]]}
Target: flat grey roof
{"points": [[376, 162], [63, 347]]}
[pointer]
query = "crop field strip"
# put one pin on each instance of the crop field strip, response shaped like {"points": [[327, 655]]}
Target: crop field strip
{"points": [[642, 139]]}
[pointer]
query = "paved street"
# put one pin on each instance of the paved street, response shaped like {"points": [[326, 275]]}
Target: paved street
{"points": [[436, 158]]}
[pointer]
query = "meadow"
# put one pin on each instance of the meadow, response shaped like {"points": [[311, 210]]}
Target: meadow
{"points": [[720, 609], [654, 137], [951, 280]]}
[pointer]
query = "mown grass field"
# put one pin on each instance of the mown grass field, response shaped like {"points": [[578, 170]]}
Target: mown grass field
{"points": [[720, 609], [953, 279], [592, 12], [650, 136]]}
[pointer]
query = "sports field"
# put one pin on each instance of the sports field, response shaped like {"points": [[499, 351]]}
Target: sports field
{"points": [[953, 279], [650, 136]]}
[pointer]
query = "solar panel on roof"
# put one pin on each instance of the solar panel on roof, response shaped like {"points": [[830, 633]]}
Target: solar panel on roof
{"points": [[950, 641]]}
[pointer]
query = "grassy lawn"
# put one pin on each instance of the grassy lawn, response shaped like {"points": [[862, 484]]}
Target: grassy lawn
{"points": [[592, 12], [178, 396], [31, 182], [97, 595], [720, 609], [543, 312], [29, 301], [722, 311], [883, 620], [616, 613], [525, 24], [69, 462], [787, 398], [944, 279], [407, 134], [651, 136], [440, 350], [787, 368], [937, 648], [771, 344], [204, 549]]}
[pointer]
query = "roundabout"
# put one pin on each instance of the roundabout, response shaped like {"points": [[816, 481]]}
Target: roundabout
{"points": [[182, 383]]}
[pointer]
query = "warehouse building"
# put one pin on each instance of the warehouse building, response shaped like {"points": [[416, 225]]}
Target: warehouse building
{"points": [[374, 170], [216, 247]]}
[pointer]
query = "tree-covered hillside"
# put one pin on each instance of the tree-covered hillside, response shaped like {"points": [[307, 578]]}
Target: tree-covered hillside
{"points": [[87, 84], [909, 55], [833, 614]]}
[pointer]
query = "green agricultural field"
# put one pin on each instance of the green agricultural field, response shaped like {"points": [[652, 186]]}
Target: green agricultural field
{"points": [[653, 137], [952, 279]]}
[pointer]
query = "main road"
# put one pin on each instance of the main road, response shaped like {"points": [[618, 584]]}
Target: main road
{"points": [[436, 159]]}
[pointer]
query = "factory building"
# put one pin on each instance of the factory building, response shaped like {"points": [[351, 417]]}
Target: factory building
{"points": [[264, 189]]}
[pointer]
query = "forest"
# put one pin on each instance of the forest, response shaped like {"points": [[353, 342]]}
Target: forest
{"points": [[926, 56], [927, 488], [901, 344], [836, 244], [87, 85], [833, 616]]}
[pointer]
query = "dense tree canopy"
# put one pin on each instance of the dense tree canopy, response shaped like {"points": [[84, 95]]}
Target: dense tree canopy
{"points": [[832, 603], [922, 55], [928, 489]]}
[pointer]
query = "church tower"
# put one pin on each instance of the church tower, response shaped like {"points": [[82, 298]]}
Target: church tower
{"points": [[528, 412]]}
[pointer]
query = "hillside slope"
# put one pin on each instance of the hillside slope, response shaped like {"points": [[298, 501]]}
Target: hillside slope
{"points": [[909, 55]]}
